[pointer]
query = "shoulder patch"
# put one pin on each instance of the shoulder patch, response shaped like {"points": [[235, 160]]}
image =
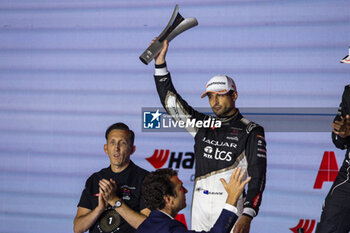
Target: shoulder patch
{"points": [[250, 127], [245, 121]]}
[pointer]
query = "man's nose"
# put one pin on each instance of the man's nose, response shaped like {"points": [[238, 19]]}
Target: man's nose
{"points": [[216, 99]]}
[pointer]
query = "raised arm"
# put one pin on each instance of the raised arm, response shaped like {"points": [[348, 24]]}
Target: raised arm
{"points": [[173, 103], [160, 58]]}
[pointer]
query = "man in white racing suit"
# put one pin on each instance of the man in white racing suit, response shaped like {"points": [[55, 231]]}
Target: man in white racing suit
{"points": [[231, 141]]}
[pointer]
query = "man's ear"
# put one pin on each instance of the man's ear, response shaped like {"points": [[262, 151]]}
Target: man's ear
{"points": [[133, 149], [168, 200], [105, 148], [234, 96]]}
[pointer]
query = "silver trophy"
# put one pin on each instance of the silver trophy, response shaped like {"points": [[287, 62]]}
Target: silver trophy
{"points": [[176, 25]]}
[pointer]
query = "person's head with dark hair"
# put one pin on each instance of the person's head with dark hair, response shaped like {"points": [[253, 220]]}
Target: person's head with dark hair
{"points": [[119, 146], [121, 126], [163, 190]]}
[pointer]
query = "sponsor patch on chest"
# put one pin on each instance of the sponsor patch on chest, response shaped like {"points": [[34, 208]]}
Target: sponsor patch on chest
{"points": [[218, 143], [126, 192]]}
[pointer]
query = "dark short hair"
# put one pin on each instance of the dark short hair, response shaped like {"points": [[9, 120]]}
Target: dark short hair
{"points": [[121, 126], [231, 92], [156, 185]]}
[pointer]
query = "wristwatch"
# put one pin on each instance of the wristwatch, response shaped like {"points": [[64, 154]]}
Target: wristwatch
{"points": [[117, 204]]}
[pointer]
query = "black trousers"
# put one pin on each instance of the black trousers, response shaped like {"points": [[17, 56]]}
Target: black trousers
{"points": [[335, 216]]}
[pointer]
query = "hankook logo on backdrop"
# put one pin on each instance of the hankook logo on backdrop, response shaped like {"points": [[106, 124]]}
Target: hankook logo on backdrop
{"points": [[306, 225], [176, 160]]}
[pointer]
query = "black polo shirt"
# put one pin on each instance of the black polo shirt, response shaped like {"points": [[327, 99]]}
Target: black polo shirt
{"points": [[129, 183]]}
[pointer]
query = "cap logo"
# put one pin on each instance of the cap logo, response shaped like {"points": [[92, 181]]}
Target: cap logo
{"points": [[222, 83]]}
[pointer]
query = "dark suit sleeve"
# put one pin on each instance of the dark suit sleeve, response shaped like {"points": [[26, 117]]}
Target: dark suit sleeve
{"points": [[344, 109], [224, 224]]}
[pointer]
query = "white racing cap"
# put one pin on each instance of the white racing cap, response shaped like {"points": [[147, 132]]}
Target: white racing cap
{"points": [[219, 84]]}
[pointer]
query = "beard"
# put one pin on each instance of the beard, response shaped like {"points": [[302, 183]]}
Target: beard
{"points": [[224, 112]]}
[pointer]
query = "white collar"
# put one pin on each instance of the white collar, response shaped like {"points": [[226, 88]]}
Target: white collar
{"points": [[166, 214]]}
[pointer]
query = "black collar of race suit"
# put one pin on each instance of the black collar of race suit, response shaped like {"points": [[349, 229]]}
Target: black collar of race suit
{"points": [[229, 118]]}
